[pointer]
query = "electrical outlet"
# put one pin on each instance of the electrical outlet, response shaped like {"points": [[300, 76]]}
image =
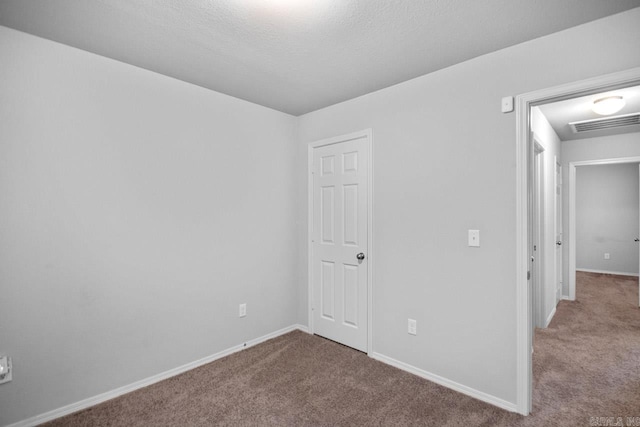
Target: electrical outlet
{"points": [[242, 312], [5, 369], [607, 255], [412, 327]]}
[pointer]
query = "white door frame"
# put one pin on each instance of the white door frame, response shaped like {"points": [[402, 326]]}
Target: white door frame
{"points": [[368, 134], [524, 103], [572, 211]]}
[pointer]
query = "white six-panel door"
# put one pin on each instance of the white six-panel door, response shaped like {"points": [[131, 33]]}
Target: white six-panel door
{"points": [[339, 241]]}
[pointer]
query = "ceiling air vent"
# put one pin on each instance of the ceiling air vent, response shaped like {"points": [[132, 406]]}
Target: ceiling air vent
{"points": [[605, 123]]}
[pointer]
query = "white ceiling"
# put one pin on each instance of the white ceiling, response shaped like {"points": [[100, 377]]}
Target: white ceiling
{"points": [[560, 114], [297, 56]]}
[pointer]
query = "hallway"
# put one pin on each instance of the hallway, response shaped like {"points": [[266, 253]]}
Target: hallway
{"points": [[587, 363]]}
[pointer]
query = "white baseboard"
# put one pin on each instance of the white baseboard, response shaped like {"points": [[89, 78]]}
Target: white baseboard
{"points": [[566, 298], [493, 400], [617, 273], [550, 317], [86, 403]]}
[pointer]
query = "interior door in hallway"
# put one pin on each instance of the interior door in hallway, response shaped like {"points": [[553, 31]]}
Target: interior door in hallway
{"points": [[558, 224], [339, 259]]}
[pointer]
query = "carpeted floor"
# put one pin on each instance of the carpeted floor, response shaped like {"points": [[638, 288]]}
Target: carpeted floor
{"points": [[586, 364]]}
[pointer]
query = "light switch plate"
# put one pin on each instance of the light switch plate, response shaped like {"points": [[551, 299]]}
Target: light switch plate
{"points": [[412, 327], [474, 238]]}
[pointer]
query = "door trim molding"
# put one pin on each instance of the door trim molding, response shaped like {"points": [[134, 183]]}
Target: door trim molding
{"points": [[368, 135], [572, 212], [524, 102]]}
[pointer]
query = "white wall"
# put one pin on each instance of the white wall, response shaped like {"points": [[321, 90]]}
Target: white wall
{"points": [[609, 147], [607, 218], [549, 140], [444, 162], [136, 213]]}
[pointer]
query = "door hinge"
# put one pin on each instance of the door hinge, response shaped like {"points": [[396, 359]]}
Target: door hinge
{"points": [[528, 275]]}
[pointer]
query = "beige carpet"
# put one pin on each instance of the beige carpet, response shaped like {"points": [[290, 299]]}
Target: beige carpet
{"points": [[586, 364]]}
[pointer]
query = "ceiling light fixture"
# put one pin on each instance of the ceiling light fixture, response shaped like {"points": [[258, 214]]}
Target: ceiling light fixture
{"points": [[608, 105]]}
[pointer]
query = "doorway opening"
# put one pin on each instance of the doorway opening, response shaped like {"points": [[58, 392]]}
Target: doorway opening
{"points": [[631, 233], [525, 214]]}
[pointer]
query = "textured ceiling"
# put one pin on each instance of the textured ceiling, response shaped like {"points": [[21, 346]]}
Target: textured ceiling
{"points": [[560, 114], [297, 56]]}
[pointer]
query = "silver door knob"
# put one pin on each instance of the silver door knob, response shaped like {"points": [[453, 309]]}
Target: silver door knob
{"points": [[636, 240], [559, 243], [360, 256]]}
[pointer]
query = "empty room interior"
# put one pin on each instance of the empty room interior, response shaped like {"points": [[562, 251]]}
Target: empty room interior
{"points": [[290, 212]]}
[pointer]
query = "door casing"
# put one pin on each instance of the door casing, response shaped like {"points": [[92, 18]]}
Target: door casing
{"points": [[524, 102], [368, 135], [572, 211]]}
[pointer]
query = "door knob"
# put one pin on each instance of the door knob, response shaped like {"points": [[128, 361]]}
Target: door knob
{"points": [[360, 256], [636, 240], [559, 243]]}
